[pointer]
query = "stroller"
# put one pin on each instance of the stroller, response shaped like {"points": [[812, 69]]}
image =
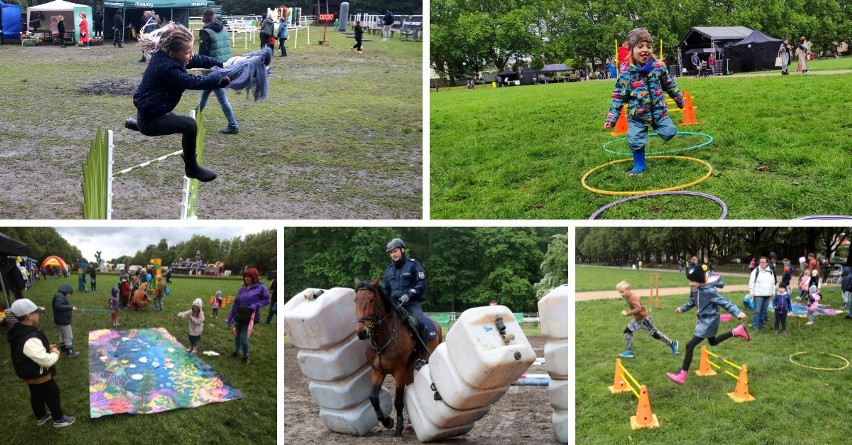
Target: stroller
{"points": [[835, 275]]}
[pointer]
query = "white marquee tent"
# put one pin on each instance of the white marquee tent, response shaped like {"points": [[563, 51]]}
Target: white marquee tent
{"points": [[70, 12]]}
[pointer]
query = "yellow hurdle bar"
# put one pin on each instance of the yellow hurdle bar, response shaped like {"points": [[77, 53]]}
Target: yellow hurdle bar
{"points": [[736, 377], [632, 379]]}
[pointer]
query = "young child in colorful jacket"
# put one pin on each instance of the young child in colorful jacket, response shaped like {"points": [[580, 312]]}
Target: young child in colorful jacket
{"points": [[641, 87], [707, 301]]}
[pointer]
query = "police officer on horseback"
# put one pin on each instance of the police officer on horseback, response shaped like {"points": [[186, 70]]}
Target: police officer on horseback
{"points": [[405, 283]]}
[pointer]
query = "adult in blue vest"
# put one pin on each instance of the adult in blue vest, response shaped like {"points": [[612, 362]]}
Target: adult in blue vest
{"points": [[214, 42], [405, 283]]}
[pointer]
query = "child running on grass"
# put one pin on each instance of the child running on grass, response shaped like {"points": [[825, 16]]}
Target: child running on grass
{"points": [[163, 84], [707, 301], [641, 86], [641, 320], [196, 325]]}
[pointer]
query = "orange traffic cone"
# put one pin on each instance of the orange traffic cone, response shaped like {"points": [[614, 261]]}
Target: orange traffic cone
{"points": [[689, 111], [621, 123], [618, 383], [740, 393], [644, 417], [704, 368]]}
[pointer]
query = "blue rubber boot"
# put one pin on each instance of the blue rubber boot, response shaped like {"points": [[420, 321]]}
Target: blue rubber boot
{"points": [[639, 166]]}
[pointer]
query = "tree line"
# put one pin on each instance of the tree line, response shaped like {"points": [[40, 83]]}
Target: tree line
{"points": [[468, 36], [623, 245], [465, 267], [44, 242]]}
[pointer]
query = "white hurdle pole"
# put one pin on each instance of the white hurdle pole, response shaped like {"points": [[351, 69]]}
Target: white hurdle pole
{"points": [[110, 148], [184, 205]]}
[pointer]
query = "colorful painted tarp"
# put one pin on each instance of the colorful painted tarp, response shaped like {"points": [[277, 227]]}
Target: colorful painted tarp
{"points": [[146, 371]]}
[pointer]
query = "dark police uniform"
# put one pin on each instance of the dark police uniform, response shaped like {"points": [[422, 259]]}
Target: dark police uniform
{"points": [[407, 277]]}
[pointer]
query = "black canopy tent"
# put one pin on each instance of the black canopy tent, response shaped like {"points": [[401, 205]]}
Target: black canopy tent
{"points": [[756, 52], [132, 10], [10, 247], [715, 38]]}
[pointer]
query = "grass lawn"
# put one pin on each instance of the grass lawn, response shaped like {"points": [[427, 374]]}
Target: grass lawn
{"points": [[596, 278], [780, 151], [339, 135], [794, 405], [249, 420]]}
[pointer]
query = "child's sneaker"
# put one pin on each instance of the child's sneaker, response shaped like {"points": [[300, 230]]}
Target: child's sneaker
{"points": [[66, 420], [627, 354], [809, 323], [740, 331], [42, 420], [678, 378], [674, 347]]}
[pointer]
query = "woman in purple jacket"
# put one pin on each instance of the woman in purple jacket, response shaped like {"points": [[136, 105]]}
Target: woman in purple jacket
{"points": [[251, 297]]}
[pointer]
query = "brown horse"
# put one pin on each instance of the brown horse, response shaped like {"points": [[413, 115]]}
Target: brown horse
{"points": [[392, 346]]}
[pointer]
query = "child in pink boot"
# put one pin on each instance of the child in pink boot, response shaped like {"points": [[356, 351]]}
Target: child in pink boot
{"points": [[707, 301]]}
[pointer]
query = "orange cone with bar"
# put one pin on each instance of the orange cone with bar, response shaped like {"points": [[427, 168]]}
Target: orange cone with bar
{"points": [[618, 383], [740, 393], [704, 368], [688, 111], [621, 123], [644, 417]]}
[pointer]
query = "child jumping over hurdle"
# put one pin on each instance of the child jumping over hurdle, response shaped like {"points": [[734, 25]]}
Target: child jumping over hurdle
{"points": [[641, 86], [707, 301], [162, 86], [641, 320]]}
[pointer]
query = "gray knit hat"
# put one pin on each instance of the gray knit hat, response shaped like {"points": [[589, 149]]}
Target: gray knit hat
{"points": [[638, 35]]}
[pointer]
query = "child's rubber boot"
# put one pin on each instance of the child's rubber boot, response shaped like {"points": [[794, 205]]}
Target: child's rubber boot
{"points": [[675, 345], [195, 171], [639, 166], [70, 352], [740, 331], [678, 378]]}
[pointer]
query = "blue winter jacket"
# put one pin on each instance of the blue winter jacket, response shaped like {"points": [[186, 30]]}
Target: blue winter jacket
{"points": [[643, 94], [846, 283], [707, 300], [405, 276], [165, 80], [62, 308]]}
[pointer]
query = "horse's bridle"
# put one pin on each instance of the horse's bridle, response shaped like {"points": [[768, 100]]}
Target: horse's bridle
{"points": [[374, 322]]}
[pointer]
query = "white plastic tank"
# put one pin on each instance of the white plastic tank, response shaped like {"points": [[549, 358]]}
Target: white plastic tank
{"points": [[553, 313], [556, 358], [334, 362], [343, 393], [318, 321], [480, 354], [456, 392], [356, 421], [560, 425], [424, 429], [558, 390], [436, 411]]}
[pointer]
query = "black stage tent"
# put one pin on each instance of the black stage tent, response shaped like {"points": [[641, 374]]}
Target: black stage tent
{"points": [[714, 38], [756, 52], [10, 247]]}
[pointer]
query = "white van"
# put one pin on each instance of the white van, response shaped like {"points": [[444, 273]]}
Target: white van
{"points": [[132, 270], [120, 268]]}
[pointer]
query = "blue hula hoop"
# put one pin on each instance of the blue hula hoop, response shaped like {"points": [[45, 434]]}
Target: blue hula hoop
{"points": [[677, 150], [672, 192]]}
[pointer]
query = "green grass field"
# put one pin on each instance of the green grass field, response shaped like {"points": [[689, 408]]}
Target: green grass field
{"points": [[336, 127], [596, 278], [249, 420], [794, 405], [780, 150]]}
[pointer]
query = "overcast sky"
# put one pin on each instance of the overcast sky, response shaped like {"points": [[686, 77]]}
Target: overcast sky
{"points": [[114, 242]]}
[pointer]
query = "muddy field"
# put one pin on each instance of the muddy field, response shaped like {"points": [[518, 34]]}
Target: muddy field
{"points": [[521, 416]]}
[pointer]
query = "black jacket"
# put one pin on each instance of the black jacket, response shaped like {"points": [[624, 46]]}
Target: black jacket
{"points": [[165, 80], [62, 308], [60, 27], [387, 19], [117, 21], [359, 32], [25, 368]]}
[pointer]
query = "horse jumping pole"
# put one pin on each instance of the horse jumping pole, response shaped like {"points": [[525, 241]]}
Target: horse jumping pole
{"points": [[644, 418], [740, 393], [98, 176]]}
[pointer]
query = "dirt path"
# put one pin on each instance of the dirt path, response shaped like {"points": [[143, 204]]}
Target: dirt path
{"points": [[523, 415]]}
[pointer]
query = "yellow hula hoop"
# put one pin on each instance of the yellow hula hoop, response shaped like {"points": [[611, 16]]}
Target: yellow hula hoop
{"points": [[820, 369], [642, 192]]}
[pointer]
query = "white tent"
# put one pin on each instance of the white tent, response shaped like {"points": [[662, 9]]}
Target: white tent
{"points": [[69, 11]]}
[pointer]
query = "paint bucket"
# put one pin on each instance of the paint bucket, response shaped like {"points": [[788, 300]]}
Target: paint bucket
{"points": [[480, 354], [558, 390], [556, 358], [553, 313], [356, 421], [425, 430], [343, 393], [334, 362], [317, 321], [455, 392]]}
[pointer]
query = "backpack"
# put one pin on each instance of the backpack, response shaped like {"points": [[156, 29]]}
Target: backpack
{"points": [[243, 315]]}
